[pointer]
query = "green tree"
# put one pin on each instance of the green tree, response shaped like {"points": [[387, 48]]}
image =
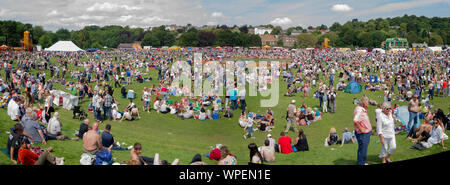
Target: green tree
{"points": [[96, 45], [435, 40], [276, 30], [336, 27], [280, 43], [63, 34], [45, 41], [206, 38], [306, 40], [189, 38]]}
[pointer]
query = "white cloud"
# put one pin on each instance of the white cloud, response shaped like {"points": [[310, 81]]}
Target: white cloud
{"points": [[154, 20], [53, 13], [124, 18], [281, 21], [341, 8], [110, 7], [217, 14]]}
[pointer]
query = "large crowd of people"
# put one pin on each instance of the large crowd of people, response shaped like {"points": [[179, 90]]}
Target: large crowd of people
{"points": [[416, 77]]}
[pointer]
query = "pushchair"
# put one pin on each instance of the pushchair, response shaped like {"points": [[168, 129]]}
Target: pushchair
{"points": [[78, 113]]}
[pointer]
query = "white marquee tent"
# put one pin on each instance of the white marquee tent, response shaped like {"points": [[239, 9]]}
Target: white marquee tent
{"points": [[63, 46]]}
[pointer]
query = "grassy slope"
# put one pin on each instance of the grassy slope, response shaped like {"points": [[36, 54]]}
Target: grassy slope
{"points": [[176, 138]]}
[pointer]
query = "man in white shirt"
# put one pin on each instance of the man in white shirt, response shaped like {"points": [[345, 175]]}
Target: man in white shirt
{"points": [[13, 109], [54, 128]]}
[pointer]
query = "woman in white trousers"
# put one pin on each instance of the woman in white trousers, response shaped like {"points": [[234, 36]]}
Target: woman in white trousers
{"points": [[385, 129]]}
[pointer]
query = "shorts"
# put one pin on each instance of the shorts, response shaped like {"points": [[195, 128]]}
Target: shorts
{"points": [[147, 103], [250, 130]]}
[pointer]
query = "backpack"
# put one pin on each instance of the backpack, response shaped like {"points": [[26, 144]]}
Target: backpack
{"points": [[103, 158]]}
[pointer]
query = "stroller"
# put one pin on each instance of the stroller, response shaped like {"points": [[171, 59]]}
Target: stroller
{"points": [[78, 113]]}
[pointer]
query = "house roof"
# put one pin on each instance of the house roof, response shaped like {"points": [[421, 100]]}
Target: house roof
{"points": [[268, 38]]}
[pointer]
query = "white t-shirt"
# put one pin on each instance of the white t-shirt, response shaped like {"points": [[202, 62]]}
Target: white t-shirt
{"points": [[13, 109], [146, 96], [54, 126]]}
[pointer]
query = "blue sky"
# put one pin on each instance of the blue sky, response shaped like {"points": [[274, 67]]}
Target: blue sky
{"points": [[75, 14]]}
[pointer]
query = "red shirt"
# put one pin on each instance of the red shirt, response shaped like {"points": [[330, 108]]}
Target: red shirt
{"points": [[39, 113], [444, 84], [26, 157], [285, 143]]}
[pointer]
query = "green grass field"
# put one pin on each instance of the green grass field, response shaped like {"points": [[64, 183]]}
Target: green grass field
{"points": [[173, 138]]}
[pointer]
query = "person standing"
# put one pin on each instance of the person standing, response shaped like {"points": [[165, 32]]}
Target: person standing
{"points": [[291, 118], [107, 106], [413, 108], [363, 129], [332, 96], [385, 129], [242, 99]]}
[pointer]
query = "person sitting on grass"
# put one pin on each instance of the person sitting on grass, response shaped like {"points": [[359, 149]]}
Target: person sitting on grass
{"points": [[268, 152], [435, 136], [228, 113], [284, 143], [14, 141], [32, 127], [333, 138], [317, 114], [188, 114], [54, 129], [243, 119], [91, 141], [84, 127], [135, 155], [108, 139], [130, 105], [226, 157], [301, 144], [27, 156], [255, 155], [127, 116], [135, 112], [347, 137]]}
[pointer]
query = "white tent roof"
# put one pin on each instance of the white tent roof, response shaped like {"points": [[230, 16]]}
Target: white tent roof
{"points": [[63, 46], [434, 48]]}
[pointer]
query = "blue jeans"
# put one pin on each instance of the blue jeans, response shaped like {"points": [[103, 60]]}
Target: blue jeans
{"points": [[116, 147], [243, 104], [234, 104], [413, 117], [107, 112], [363, 145]]}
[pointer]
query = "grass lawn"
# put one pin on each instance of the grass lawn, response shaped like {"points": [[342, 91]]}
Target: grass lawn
{"points": [[173, 138]]}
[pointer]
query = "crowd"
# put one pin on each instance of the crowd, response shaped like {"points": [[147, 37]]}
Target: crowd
{"points": [[27, 95]]}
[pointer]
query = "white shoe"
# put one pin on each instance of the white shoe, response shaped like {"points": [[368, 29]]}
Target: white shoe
{"points": [[130, 147], [59, 160], [245, 136]]}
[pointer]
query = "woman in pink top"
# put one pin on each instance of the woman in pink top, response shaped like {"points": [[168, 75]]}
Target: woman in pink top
{"points": [[363, 129]]}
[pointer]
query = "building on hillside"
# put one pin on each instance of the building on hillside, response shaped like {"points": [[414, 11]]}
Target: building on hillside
{"points": [[251, 30], [172, 27], [268, 39], [296, 32], [324, 31], [262, 30], [395, 43], [419, 46], [289, 41]]}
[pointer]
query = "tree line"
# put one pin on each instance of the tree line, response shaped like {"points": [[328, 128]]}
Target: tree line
{"points": [[354, 33]]}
